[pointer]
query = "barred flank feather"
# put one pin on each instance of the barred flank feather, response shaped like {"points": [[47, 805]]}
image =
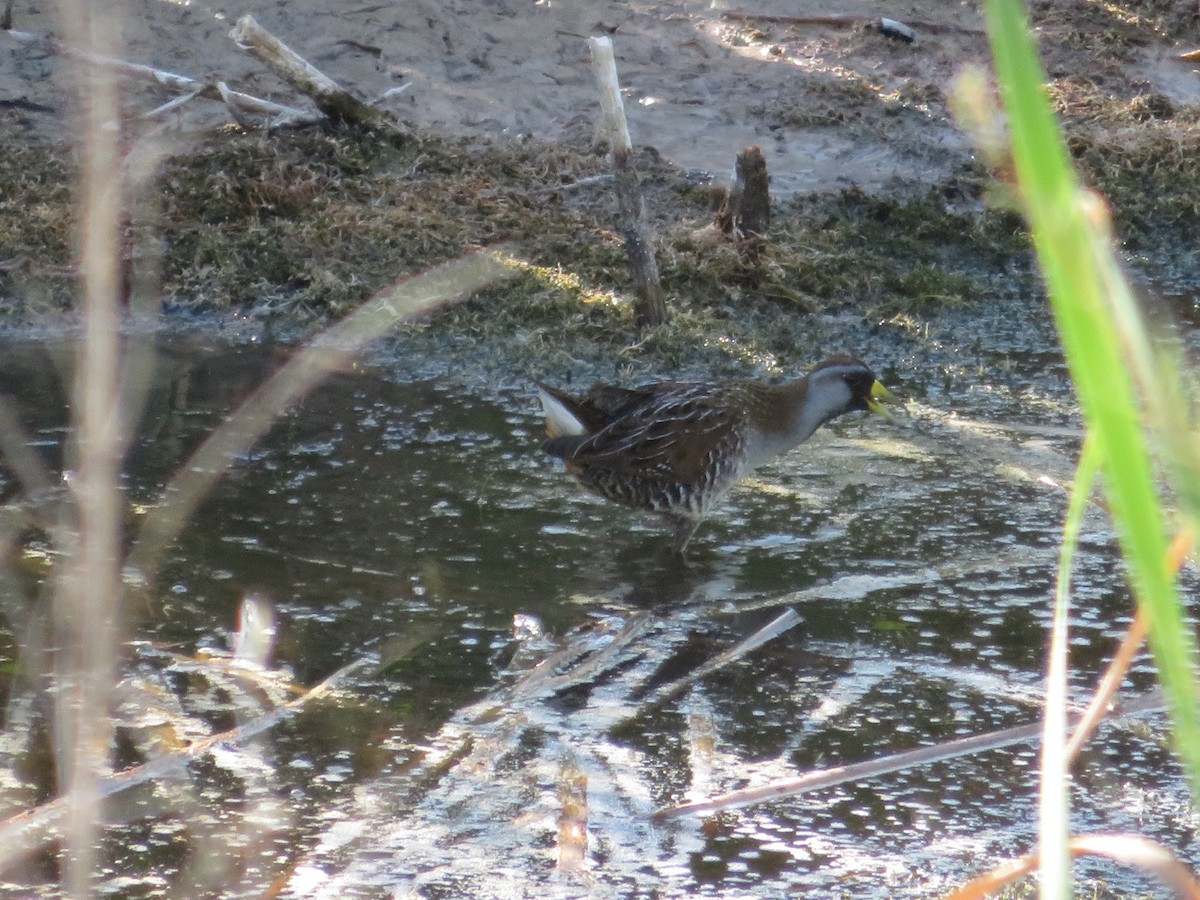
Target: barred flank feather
{"points": [[676, 448]]}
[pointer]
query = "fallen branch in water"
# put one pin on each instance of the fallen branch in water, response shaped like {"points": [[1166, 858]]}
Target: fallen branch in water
{"points": [[27, 831], [784, 622], [886, 765]]}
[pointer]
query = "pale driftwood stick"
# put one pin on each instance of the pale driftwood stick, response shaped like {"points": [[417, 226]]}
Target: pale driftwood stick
{"points": [[256, 106], [242, 106], [51, 47], [390, 93], [651, 306], [330, 97], [190, 88], [604, 67], [239, 116], [174, 104]]}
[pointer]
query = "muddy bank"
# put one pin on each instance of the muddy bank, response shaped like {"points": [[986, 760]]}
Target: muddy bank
{"points": [[883, 218]]}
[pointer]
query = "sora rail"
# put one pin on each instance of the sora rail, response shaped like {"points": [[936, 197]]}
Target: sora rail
{"points": [[675, 448]]}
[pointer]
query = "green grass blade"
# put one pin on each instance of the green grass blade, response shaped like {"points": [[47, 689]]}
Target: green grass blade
{"points": [[1103, 337]]}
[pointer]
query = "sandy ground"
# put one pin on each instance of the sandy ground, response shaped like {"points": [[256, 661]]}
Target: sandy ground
{"points": [[831, 104]]}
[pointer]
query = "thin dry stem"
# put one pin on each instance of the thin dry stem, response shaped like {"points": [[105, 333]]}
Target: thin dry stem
{"points": [[1128, 849], [885, 765], [1131, 645]]}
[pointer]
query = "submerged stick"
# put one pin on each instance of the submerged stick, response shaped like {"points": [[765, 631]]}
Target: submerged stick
{"points": [[572, 842], [886, 765], [784, 622], [330, 97], [24, 832], [559, 670], [651, 305]]}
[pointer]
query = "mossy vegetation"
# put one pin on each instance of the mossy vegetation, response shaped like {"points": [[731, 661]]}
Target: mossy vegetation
{"points": [[297, 228]]}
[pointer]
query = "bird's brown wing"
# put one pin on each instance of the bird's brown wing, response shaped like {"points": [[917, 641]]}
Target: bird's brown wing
{"points": [[670, 431]]}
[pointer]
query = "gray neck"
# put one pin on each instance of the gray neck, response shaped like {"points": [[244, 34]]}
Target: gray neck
{"points": [[827, 398], [796, 409]]}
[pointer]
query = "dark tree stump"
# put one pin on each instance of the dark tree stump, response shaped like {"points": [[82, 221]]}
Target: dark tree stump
{"points": [[745, 215]]}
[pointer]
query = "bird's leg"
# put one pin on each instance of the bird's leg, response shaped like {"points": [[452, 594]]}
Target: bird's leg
{"points": [[685, 527]]}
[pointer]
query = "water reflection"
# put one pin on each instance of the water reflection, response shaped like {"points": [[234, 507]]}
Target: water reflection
{"points": [[411, 521]]}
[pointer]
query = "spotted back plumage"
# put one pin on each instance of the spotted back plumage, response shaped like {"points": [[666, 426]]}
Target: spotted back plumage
{"points": [[677, 447], [670, 447]]}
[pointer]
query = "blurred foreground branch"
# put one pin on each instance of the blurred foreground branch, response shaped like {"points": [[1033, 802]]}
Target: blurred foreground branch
{"points": [[327, 353]]}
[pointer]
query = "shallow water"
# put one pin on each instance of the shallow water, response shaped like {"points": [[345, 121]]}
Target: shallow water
{"points": [[415, 524]]}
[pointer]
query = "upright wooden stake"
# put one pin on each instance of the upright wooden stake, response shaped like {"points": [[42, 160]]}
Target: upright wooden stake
{"points": [[651, 306]]}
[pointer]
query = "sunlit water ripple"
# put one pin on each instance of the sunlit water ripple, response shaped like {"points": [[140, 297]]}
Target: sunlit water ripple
{"points": [[414, 520]]}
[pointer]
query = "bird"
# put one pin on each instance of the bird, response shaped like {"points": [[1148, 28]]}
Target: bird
{"points": [[676, 448]]}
